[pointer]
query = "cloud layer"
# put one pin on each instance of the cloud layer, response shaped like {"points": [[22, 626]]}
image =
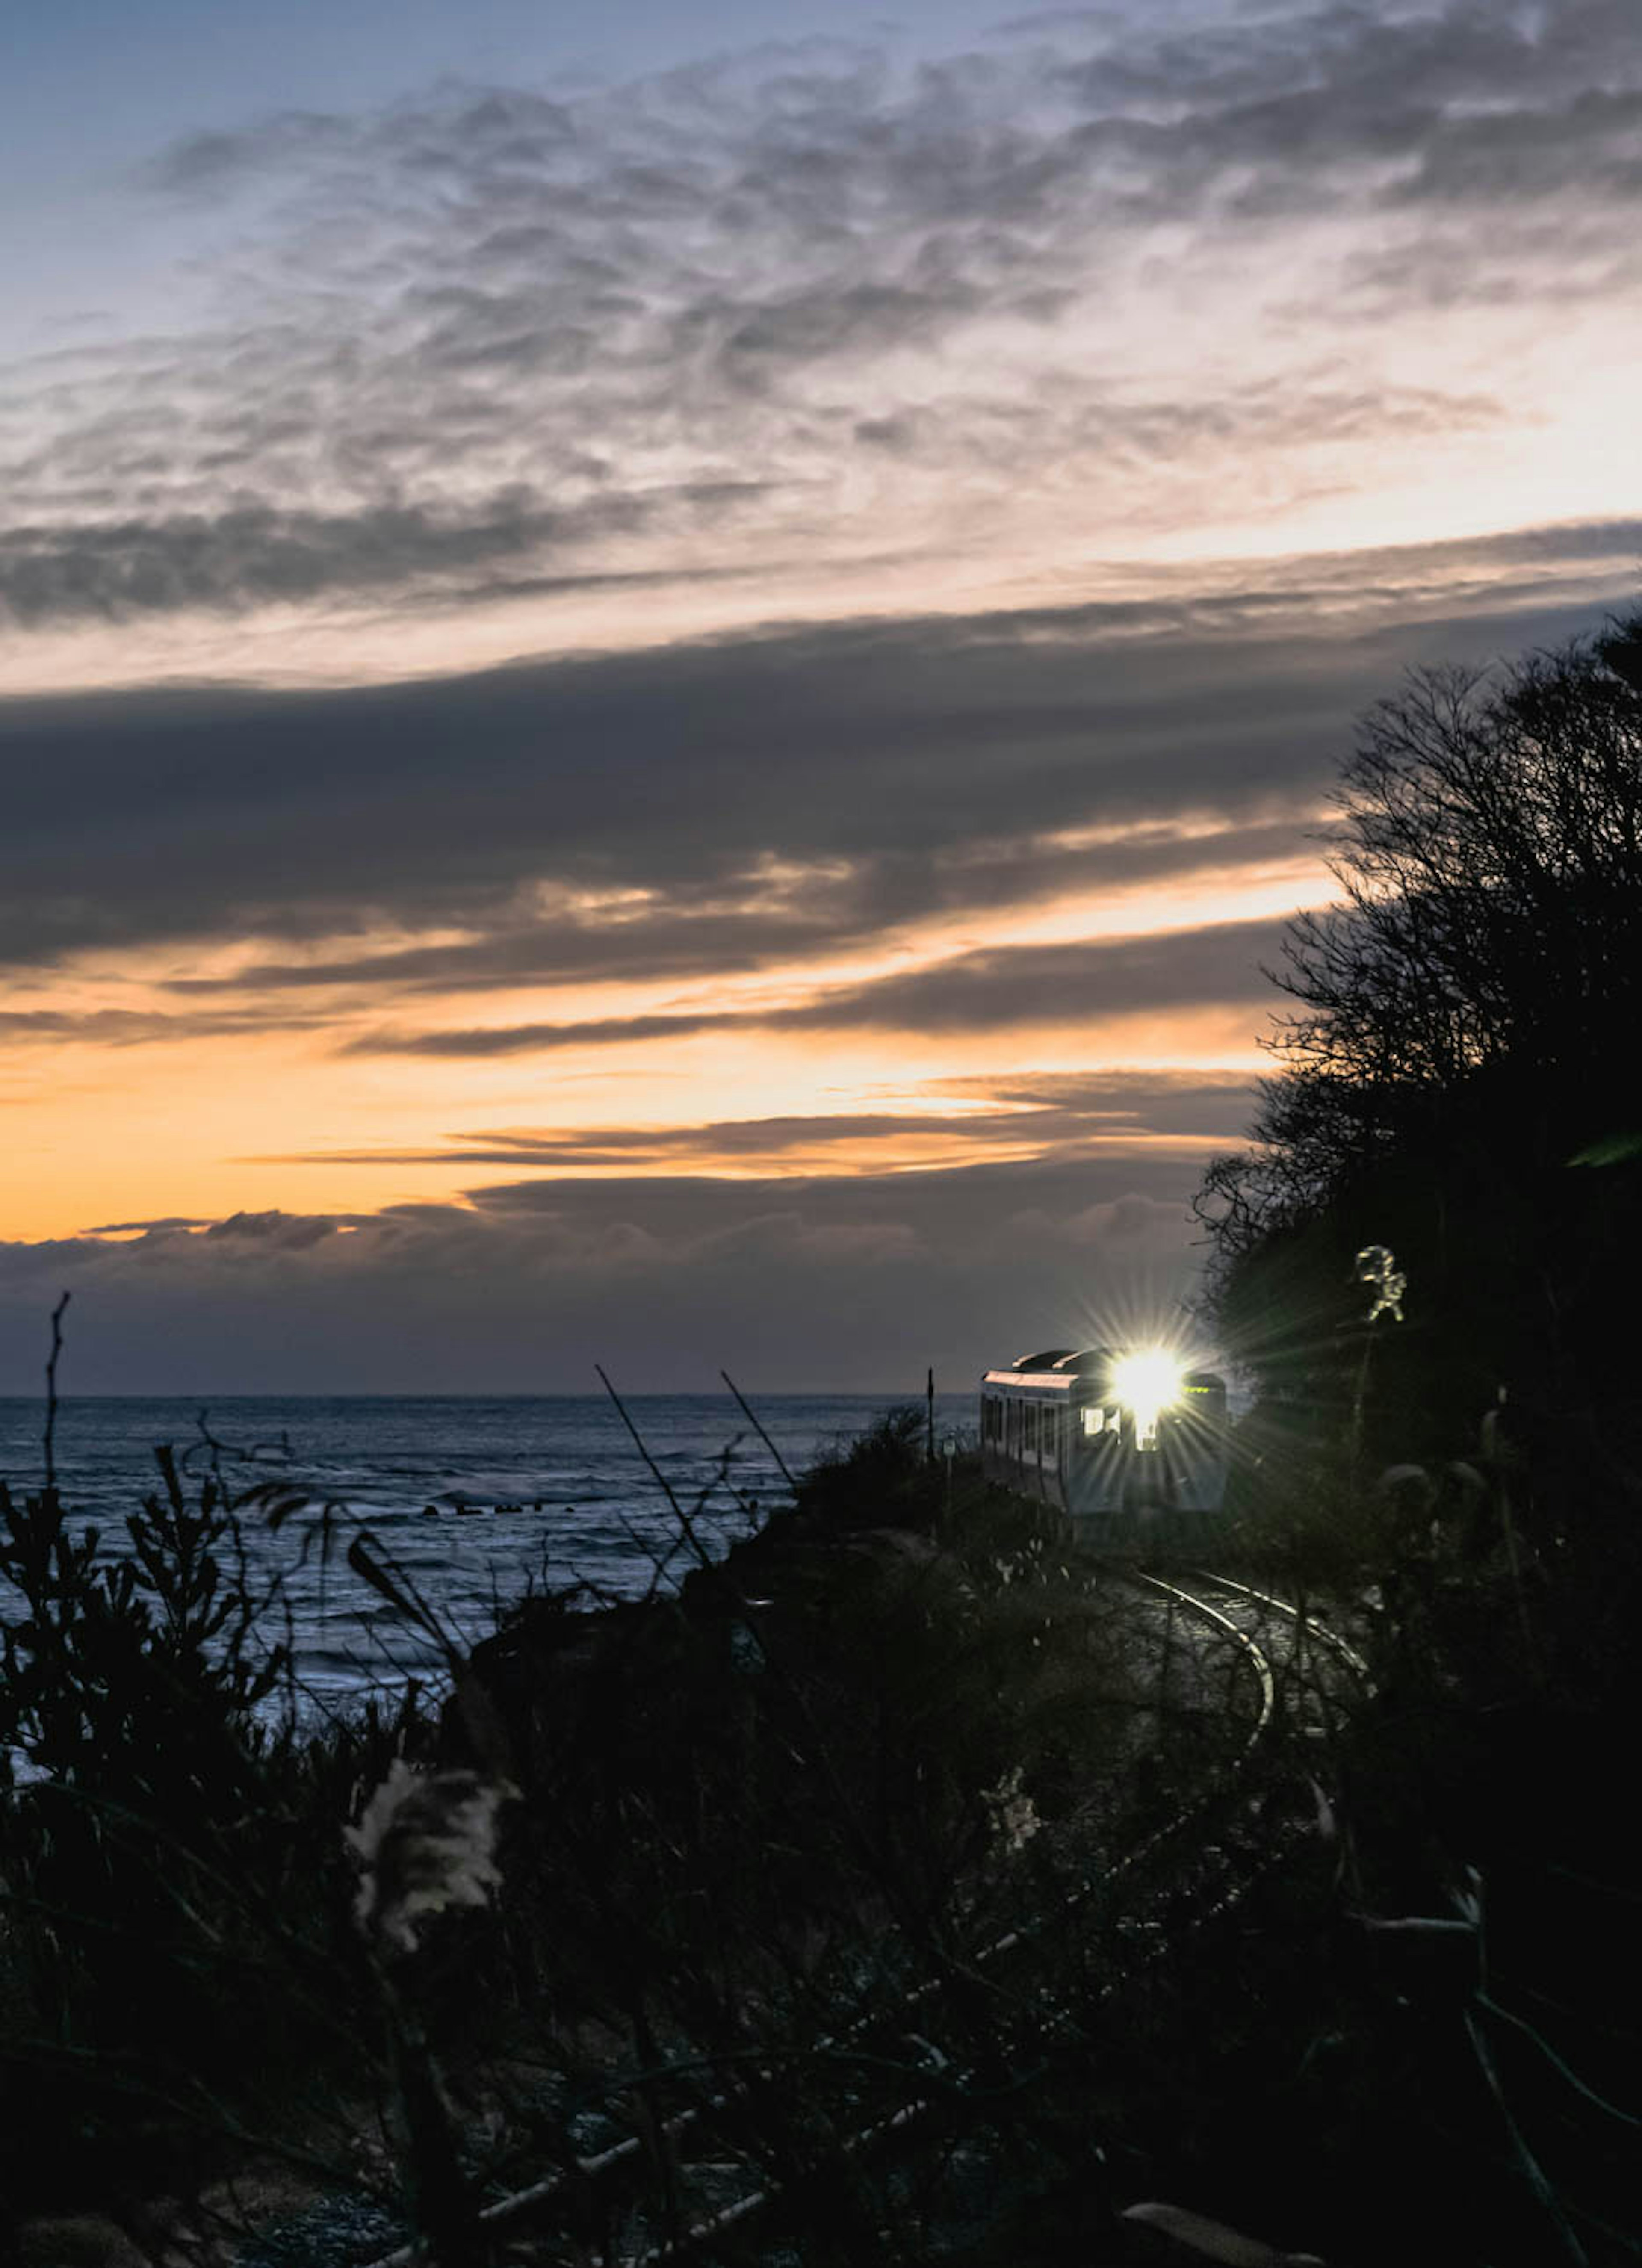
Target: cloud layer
{"points": [[704, 807], [748, 315], [708, 696], [858, 1283]]}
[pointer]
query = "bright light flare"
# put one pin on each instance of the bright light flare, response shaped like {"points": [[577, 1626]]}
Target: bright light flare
{"points": [[1148, 1382]]}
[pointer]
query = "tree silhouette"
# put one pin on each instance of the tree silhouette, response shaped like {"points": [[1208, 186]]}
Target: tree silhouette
{"points": [[1466, 1032]]}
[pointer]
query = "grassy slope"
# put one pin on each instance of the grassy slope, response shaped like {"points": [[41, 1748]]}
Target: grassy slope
{"points": [[895, 1723]]}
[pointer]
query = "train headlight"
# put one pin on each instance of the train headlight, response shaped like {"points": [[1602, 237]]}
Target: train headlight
{"points": [[1148, 1382]]}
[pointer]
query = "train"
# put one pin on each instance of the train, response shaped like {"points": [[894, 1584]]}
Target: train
{"points": [[1128, 1443]]}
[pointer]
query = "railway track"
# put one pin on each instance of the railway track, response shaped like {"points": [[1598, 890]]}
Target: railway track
{"points": [[1315, 1630], [680, 2182], [1320, 1675], [1258, 1661]]}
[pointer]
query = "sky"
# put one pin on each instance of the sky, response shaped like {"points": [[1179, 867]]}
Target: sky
{"points": [[666, 674]]}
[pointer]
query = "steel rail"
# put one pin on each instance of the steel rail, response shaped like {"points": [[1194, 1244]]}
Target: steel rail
{"points": [[1257, 1660], [1342, 1647], [741, 2208], [602, 2164]]}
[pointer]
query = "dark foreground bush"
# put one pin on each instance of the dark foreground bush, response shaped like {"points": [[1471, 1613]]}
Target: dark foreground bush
{"points": [[744, 1854], [173, 1892]]}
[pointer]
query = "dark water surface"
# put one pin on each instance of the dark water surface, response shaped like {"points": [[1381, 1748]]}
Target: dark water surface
{"points": [[587, 1505]]}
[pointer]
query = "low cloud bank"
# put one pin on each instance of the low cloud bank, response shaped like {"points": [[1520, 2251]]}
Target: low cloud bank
{"points": [[851, 1284]]}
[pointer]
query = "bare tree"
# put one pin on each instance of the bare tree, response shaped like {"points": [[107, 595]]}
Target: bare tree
{"points": [[1466, 1014], [1489, 848]]}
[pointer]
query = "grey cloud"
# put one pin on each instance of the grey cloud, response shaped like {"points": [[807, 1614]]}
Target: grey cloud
{"points": [[1524, 261], [830, 909], [540, 1039], [1058, 984], [257, 554], [134, 1228], [1320, 83], [1043, 1112], [914, 755], [205, 164], [1203, 1103], [666, 941], [1589, 146], [1217, 965], [714, 271], [692, 1211], [130, 1028], [279, 1231], [663, 1280], [609, 1144], [147, 512]]}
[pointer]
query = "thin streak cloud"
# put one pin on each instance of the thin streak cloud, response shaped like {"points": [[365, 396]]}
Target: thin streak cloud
{"points": [[1019, 986]]}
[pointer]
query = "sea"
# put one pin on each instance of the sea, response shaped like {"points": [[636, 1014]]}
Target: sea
{"points": [[477, 1500]]}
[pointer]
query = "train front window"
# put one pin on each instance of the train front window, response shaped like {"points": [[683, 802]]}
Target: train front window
{"points": [[1102, 1421]]}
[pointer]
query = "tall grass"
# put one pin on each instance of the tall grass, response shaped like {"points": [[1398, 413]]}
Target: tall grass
{"points": [[734, 1858], [171, 1969]]}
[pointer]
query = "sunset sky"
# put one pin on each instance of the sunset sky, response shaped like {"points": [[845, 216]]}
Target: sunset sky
{"points": [[664, 670]]}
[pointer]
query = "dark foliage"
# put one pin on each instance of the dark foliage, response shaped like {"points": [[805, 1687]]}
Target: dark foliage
{"points": [[170, 1891], [1460, 1085], [882, 1479]]}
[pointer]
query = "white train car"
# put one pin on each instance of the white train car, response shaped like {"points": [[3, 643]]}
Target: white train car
{"points": [[1126, 1441]]}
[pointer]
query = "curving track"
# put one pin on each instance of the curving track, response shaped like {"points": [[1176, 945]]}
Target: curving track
{"points": [[713, 2197]]}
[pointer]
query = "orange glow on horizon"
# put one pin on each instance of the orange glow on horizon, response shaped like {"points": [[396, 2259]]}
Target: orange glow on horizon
{"points": [[242, 1116], [260, 1123]]}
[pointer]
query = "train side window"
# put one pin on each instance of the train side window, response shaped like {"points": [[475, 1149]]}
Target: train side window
{"points": [[1102, 1421]]}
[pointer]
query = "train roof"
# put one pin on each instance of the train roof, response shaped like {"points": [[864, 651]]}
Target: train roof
{"points": [[1065, 1364], [1066, 1359]]}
